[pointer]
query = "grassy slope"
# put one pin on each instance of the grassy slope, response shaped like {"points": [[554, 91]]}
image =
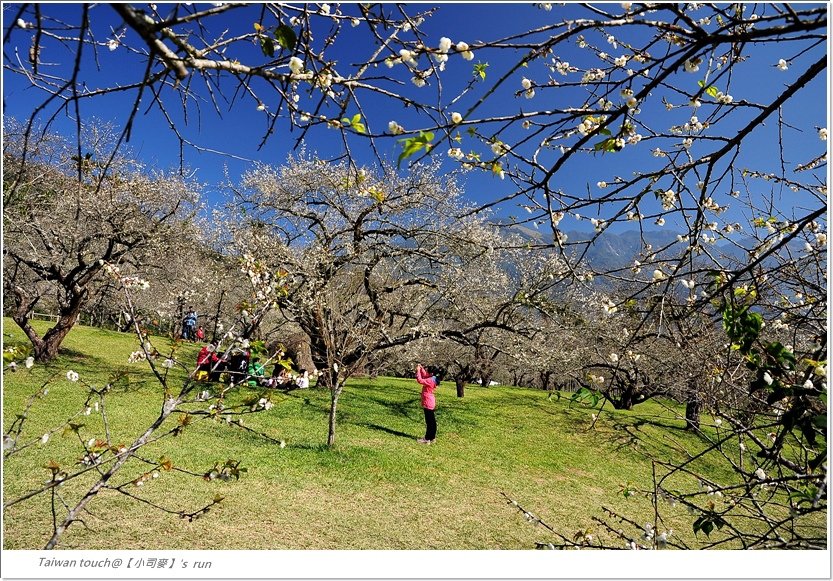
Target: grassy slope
{"points": [[378, 489]]}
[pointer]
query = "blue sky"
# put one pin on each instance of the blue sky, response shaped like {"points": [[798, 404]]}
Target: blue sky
{"points": [[240, 126]]}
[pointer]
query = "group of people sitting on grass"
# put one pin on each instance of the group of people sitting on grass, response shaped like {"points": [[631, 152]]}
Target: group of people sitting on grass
{"points": [[239, 366]]}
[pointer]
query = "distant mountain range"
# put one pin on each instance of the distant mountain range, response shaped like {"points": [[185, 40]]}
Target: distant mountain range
{"points": [[612, 250]]}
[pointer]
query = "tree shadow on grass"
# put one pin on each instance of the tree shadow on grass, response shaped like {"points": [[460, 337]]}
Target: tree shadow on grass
{"points": [[401, 408], [387, 430]]}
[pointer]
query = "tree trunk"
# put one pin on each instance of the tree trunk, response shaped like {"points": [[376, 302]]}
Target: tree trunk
{"points": [[460, 383], [52, 339], [486, 380], [693, 407], [45, 348], [331, 435], [217, 317]]}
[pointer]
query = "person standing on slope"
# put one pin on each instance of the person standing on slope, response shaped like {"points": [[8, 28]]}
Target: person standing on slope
{"points": [[429, 380]]}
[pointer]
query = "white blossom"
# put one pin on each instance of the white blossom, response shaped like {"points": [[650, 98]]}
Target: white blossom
{"points": [[456, 118], [692, 65], [418, 81], [456, 153], [113, 44], [823, 134], [499, 148], [658, 275], [296, 65], [526, 83], [44, 439], [609, 307], [760, 474], [325, 8], [22, 23], [445, 44], [782, 65], [29, 362], [72, 376], [767, 378], [354, 22]]}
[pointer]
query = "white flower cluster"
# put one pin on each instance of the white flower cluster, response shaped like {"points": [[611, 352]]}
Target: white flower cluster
{"points": [[592, 76], [72, 375], [668, 198], [135, 282], [136, 356], [588, 125], [596, 379], [725, 99], [395, 128], [561, 67], [499, 148], [456, 153], [464, 50]]}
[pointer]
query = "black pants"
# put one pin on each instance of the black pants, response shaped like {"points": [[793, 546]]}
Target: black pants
{"points": [[430, 424]]}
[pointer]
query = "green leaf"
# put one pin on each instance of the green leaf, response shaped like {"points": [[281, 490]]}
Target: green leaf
{"points": [[606, 146], [267, 46], [712, 92], [286, 37], [412, 145], [480, 70]]}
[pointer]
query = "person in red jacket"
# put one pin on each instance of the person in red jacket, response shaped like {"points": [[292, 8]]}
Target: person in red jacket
{"points": [[429, 380], [205, 359]]}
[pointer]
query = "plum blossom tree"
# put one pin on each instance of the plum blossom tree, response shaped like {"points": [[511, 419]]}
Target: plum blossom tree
{"points": [[359, 259], [66, 216]]}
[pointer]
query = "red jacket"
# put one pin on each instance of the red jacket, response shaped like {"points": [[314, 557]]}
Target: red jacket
{"points": [[429, 384], [205, 356]]}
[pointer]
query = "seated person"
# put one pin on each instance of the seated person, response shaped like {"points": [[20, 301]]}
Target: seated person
{"points": [[205, 359], [280, 377], [256, 372], [238, 366]]}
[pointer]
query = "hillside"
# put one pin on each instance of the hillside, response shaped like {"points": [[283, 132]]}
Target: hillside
{"points": [[377, 489]]}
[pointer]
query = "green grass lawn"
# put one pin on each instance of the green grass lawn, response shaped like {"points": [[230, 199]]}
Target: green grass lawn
{"points": [[377, 489]]}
